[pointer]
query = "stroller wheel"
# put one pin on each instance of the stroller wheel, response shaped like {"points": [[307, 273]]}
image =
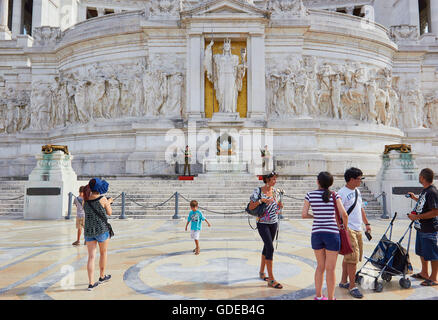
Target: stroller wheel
{"points": [[378, 286], [386, 276], [405, 283]]}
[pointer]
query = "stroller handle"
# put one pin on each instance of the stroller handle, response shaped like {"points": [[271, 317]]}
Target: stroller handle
{"points": [[393, 218]]}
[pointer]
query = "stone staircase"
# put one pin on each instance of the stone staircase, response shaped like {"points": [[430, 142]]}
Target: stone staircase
{"points": [[219, 193]]}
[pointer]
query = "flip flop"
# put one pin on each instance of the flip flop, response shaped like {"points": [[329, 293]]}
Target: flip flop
{"points": [[429, 283], [419, 276]]}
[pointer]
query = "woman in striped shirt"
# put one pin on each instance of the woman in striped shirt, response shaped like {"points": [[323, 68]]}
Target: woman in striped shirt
{"points": [[325, 232], [267, 224]]}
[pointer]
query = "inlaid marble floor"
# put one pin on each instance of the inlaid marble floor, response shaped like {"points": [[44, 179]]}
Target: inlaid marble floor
{"points": [[153, 259]]}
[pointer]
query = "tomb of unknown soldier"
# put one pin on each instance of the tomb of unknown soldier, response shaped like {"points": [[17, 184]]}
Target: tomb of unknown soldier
{"points": [[162, 102]]}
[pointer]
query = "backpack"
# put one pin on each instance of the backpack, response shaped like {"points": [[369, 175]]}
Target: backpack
{"points": [[259, 210]]}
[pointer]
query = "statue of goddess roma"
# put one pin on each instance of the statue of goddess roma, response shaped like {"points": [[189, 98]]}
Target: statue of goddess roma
{"points": [[225, 72]]}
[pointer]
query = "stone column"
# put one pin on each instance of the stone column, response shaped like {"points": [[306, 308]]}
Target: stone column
{"points": [[256, 77], [434, 16], [194, 73], [100, 12], [414, 14], [37, 11], [5, 34], [17, 17]]}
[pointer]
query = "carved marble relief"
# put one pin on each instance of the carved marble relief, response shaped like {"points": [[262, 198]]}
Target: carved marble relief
{"points": [[317, 88], [99, 91]]}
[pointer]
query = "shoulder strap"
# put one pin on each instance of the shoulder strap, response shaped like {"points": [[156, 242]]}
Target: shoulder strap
{"points": [[350, 210], [338, 216]]}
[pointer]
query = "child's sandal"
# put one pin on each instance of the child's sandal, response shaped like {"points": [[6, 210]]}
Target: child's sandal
{"points": [[263, 276], [197, 251]]}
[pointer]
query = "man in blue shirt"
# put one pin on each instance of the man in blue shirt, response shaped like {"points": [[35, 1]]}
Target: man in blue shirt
{"points": [[195, 217]]}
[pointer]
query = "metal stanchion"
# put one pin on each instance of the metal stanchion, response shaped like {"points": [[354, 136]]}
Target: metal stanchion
{"points": [[175, 216], [122, 215], [70, 198], [385, 213]]}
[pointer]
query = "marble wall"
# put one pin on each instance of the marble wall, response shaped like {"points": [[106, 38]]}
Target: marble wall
{"points": [[333, 91]]}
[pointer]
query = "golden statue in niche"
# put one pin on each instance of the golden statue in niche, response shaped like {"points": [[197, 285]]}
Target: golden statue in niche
{"points": [[225, 79]]}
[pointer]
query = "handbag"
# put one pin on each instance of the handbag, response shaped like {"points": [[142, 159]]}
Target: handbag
{"points": [[259, 210], [99, 215], [344, 235]]}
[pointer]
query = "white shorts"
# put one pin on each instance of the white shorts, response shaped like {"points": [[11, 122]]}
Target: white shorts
{"points": [[195, 234]]}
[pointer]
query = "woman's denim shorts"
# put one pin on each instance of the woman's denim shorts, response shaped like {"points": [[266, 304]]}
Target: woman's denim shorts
{"points": [[326, 240], [99, 238]]}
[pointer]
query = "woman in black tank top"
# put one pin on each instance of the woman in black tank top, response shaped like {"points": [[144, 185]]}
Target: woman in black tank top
{"points": [[96, 230]]}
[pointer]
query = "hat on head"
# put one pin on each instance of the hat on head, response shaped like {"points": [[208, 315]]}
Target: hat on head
{"points": [[100, 186]]}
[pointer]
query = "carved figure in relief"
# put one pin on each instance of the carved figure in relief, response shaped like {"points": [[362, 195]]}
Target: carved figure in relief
{"points": [[81, 99], [96, 91], [301, 91], [137, 99], [336, 88], [110, 107], [70, 108], [174, 88], [324, 93], [311, 66], [413, 104], [39, 114], [431, 112]]}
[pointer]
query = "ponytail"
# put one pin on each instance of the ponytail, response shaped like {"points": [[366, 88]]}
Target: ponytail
{"points": [[326, 195], [325, 180], [87, 189], [87, 192]]}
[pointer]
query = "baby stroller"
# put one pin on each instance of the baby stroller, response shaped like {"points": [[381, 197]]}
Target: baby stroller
{"points": [[390, 259]]}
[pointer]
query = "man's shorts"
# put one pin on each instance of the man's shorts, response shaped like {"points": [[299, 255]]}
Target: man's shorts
{"points": [[357, 245], [426, 245], [195, 234], [80, 223]]}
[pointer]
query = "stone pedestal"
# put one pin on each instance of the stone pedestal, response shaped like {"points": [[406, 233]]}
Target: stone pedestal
{"points": [[398, 176], [225, 116], [46, 192], [224, 164]]}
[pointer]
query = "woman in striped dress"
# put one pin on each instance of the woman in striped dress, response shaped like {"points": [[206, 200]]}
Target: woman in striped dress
{"points": [[325, 232]]}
